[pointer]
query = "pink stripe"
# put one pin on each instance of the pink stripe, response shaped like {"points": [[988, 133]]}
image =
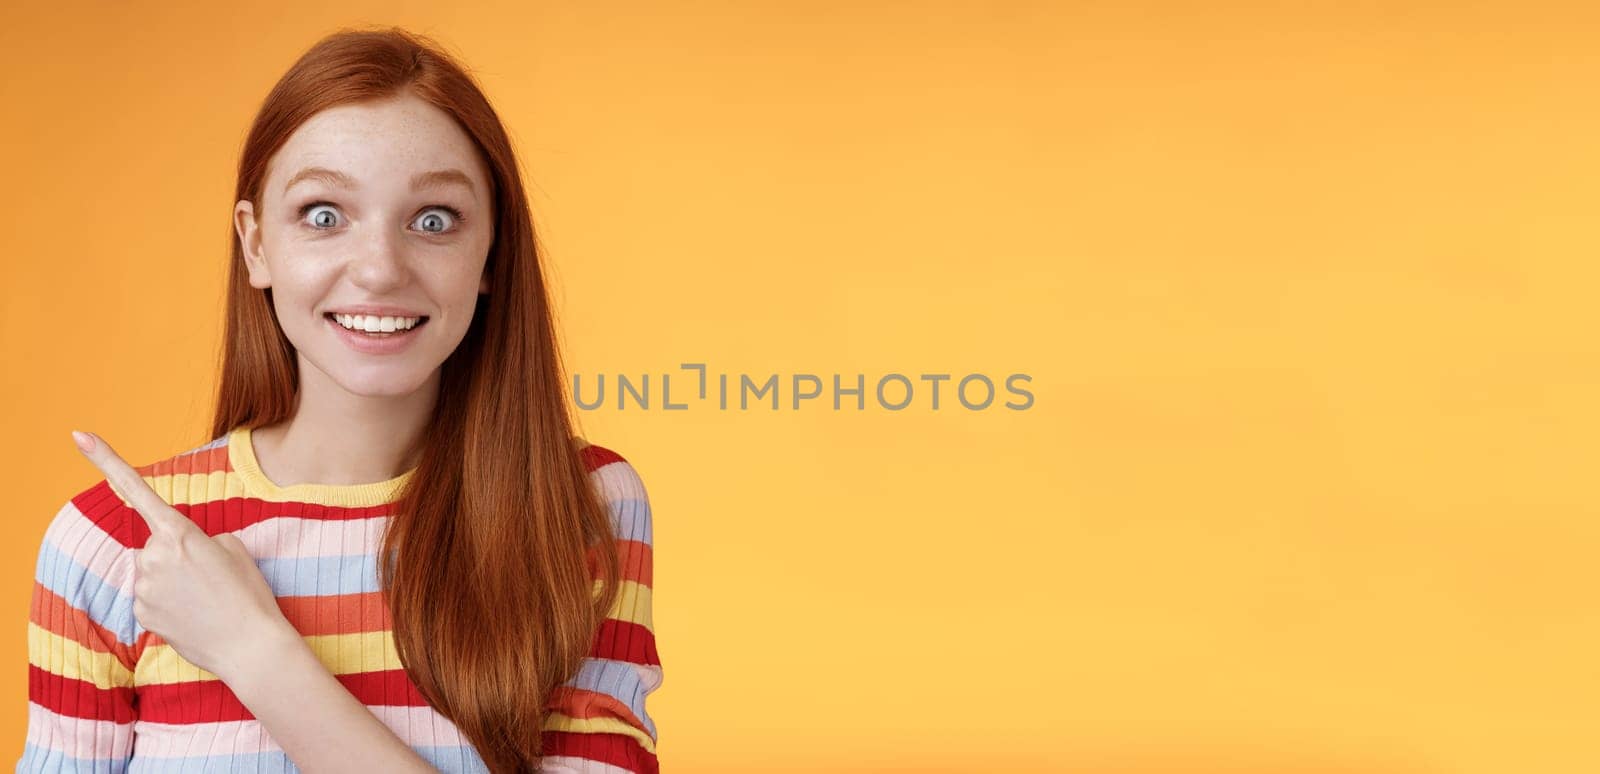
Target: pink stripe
{"points": [[77, 536], [76, 737], [416, 726], [292, 536], [619, 481]]}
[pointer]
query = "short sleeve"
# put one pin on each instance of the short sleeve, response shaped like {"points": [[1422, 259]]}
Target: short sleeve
{"points": [[81, 641], [598, 722]]}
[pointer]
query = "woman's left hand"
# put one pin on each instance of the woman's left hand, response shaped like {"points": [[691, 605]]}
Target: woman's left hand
{"points": [[204, 595]]}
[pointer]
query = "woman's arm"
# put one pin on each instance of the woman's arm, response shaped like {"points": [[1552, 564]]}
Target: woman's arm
{"points": [[81, 644], [206, 598], [599, 720], [309, 713]]}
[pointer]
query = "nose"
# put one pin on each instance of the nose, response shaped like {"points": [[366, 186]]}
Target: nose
{"points": [[378, 263]]}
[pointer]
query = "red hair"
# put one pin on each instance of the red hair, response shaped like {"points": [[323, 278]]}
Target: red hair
{"points": [[491, 559]]}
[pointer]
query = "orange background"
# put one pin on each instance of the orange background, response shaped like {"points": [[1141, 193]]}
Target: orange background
{"points": [[1305, 291]]}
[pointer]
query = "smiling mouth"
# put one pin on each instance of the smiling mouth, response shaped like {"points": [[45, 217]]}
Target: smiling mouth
{"points": [[376, 334]]}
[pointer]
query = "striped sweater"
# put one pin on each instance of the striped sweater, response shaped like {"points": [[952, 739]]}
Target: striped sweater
{"points": [[105, 695]]}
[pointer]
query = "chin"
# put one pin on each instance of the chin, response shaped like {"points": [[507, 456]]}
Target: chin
{"points": [[380, 377], [380, 382]]}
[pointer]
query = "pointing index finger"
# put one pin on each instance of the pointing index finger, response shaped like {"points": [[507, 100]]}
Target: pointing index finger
{"points": [[128, 484]]}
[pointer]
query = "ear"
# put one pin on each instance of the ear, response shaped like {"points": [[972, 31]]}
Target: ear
{"points": [[483, 284], [244, 224]]}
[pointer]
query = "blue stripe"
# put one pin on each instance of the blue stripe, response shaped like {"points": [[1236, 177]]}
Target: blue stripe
{"points": [[105, 604], [630, 518], [321, 576], [38, 760], [618, 679]]}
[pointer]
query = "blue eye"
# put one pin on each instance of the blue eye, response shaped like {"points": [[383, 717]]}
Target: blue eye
{"points": [[428, 216], [321, 223]]}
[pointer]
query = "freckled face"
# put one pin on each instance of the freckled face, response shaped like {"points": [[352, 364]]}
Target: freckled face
{"points": [[395, 212]]}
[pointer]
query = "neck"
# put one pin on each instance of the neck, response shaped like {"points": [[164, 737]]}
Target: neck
{"points": [[339, 438]]}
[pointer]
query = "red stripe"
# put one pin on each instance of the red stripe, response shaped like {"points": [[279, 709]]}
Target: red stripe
{"points": [[338, 614], [236, 513], [596, 456], [585, 704], [615, 749], [625, 641], [635, 558], [79, 698], [369, 612], [194, 463], [364, 613], [103, 507], [638, 560], [211, 701]]}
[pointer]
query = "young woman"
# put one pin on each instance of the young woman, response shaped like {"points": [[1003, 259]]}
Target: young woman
{"points": [[395, 553]]}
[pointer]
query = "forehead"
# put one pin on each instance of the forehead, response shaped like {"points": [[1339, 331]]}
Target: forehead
{"points": [[380, 144]]}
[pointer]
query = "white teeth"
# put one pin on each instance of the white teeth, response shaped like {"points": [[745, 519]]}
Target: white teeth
{"points": [[375, 324]]}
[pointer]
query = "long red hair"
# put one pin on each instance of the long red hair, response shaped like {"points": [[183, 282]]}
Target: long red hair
{"points": [[491, 559]]}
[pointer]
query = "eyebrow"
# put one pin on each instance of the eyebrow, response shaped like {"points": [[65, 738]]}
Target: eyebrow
{"points": [[438, 178]]}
